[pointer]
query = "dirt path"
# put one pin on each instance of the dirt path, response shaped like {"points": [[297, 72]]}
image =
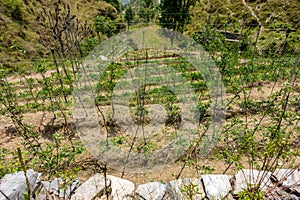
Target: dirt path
{"points": [[38, 76]]}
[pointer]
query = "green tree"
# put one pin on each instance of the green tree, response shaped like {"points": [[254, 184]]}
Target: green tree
{"points": [[129, 15], [175, 13], [115, 3], [104, 26], [147, 10]]}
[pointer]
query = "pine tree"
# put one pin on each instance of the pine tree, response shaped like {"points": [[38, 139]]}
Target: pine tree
{"points": [[129, 15]]}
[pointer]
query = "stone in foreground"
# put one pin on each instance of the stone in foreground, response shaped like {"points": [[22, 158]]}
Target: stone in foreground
{"points": [[151, 191], [13, 186], [55, 188], [216, 186], [92, 188], [289, 178], [121, 189], [251, 176], [182, 189]]}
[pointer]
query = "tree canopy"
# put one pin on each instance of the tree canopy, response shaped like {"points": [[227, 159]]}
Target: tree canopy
{"points": [[175, 13], [147, 10], [115, 3], [129, 15]]}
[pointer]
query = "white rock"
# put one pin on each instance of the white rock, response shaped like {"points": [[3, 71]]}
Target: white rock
{"points": [[175, 189], [14, 185], [151, 191], [216, 186], [104, 58], [121, 189], [251, 176], [55, 188], [90, 189], [288, 177]]}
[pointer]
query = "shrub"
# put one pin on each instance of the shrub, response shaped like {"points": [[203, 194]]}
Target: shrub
{"points": [[14, 8]]}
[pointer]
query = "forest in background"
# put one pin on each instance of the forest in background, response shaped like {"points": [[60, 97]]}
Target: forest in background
{"points": [[21, 32]]}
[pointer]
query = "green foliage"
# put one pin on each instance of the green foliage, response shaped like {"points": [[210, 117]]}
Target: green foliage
{"points": [[115, 3], [210, 39], [118, 140], [105, 26], [26, 196], [245, 69], [14, 8], [54, 157], [140, 114], [175, 13], [129, 15], [88, 45], [9, 162], [147, 10], [145, 147], [190, 190], [57, 157], [109, 78], [252, 192]]}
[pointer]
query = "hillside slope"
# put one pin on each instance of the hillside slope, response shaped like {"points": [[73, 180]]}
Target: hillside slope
{"points": [[20, 45], [269, 13], [19, 39], [277, 18]]}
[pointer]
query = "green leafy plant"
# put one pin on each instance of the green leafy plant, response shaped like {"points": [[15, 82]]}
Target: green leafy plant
{"points": [[190, 190], [118, 140], [9, 162], [129, 16], [252, 192], [145, 146], [175, 14]]}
